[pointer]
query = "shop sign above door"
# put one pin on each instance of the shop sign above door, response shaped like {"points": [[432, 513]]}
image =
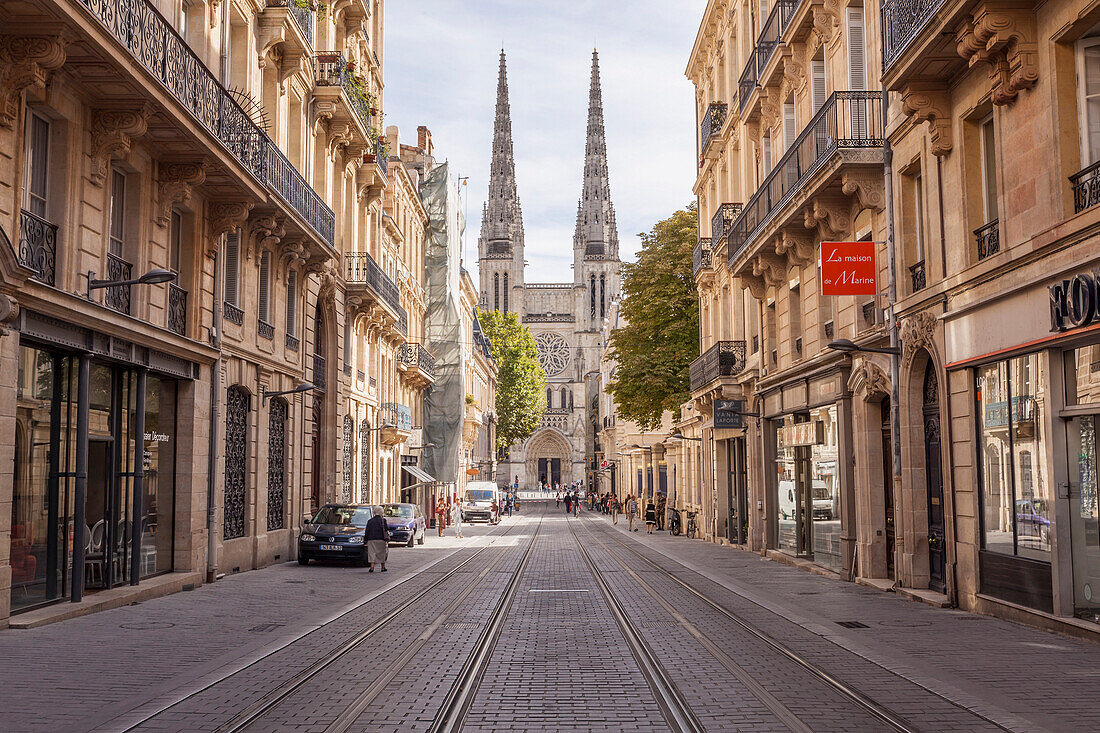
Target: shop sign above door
{"points": [[802, 434], [727, 413], [848, 268], [1075, 302]]}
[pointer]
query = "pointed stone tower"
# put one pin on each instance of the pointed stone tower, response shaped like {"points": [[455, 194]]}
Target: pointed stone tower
{"points": [[500, 245], [596, 238]]}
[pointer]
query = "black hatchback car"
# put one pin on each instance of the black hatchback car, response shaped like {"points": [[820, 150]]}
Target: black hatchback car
{"points": [[335, 533]]}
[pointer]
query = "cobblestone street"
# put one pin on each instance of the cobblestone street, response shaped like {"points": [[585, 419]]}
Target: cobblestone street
{"points": [[545, 623]]}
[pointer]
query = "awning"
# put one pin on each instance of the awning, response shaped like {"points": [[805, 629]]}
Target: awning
{"points": [[422, 476]]}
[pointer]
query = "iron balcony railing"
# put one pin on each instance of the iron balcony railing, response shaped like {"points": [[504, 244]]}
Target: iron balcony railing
{"points": [[919, 276], [989, 239], [295, 191], [747, 82], [38, 246], [233, 314], [417, 356], [303, 16], [382, 157], [177, 309], [397, 415], [703, 256], [724, 359], [293, 342], [902, 20], [320, 380], [360, 267], [771, 33], [265, 329], [162, 51], [331, 69], [117, 297], [847, 120], [712, 123], [1086, 187], [720, 222]]}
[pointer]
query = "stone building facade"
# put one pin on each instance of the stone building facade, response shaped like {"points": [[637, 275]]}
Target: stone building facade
{"points": [[565, 318]]}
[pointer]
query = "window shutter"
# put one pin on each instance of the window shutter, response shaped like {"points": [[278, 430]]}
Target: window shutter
{"points": [[767, 154], [265, 287], [232, 266], [292, 302], [36, 165], [857, 67], [789, 131], [819, 90]]}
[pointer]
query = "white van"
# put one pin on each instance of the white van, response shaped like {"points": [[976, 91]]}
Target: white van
{"points": [[824, 505], [481, 501]]}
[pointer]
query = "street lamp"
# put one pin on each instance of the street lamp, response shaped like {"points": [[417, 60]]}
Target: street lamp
{"points": [[153, 277], [850, 347], [733, 411], [680, 436], [303, 387]]}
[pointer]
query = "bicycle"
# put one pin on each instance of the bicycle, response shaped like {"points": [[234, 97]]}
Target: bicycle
{"points": [[692, 527], [675, 524]]}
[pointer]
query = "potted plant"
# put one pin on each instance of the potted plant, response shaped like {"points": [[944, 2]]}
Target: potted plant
{"points": [[350, 66], [469, 399]]}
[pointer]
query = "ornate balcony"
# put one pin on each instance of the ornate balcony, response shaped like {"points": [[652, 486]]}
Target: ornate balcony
{"points": [[842, 133], [902, 21], [917, 276], [177, 309], [293, 343], [417, 363], [771, 33], [1086, 188], [291, 186], [335, 80], [396, 423], [265, 330], [702, 256], [233, 314], [38, 246], [117, 297], [302, 17], [988, 238], [711, 124], [724, 359], [720, 222], [371, 291]]}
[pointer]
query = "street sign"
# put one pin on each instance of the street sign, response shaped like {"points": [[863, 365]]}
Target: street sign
{"points": [[848, 268], [727, 413]]}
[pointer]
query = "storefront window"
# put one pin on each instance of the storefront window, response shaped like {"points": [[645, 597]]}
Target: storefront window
{"points": [[787, 510], [159, 484], [825, 491], [1083, 387], [1016, 498]]}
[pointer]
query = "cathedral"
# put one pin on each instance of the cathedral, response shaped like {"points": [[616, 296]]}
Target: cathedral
{"points": [[566, 319]]}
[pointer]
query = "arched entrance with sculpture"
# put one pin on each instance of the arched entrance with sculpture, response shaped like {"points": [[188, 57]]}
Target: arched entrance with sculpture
{"points": [[548, 459]]}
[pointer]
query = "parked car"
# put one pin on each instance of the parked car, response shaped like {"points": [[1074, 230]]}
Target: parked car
{"points": [[335, 532], [1032, 519], [481, 502], [406, 523]]}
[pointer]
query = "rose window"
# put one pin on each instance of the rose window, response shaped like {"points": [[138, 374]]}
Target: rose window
{"points": [[553, 353]]}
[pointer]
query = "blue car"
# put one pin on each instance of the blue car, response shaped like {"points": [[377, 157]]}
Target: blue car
{"points": [[335, 532], [406, 523]]}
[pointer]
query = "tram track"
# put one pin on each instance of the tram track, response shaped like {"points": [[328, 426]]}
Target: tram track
{"points": [[882, 713]]}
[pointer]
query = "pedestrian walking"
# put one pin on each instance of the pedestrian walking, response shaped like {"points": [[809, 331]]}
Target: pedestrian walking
{"points": [[614, 509], [631, 513], [576, 503], [557, 499], [456, 519], [568, 503], [440, 516], [377, 535], [661, 510], [650, 517]]}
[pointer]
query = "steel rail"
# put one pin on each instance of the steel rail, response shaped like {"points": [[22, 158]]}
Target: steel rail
{"points": [[674, 707], [881, 712]]}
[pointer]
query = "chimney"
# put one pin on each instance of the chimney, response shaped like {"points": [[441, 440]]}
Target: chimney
{"points": [[424, 139]]}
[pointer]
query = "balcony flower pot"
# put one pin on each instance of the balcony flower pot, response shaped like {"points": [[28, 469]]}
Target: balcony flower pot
{"points": [[368, 157], [373, 111]]}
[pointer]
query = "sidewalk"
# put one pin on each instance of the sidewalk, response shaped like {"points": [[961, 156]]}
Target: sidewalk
{"points": [[980, 662]]}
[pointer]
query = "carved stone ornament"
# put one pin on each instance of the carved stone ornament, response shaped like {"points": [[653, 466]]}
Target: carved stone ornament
{"points": [[25, 61], [799, 251], [224, 217], [1004, 38], [929, 103], [827, 20], [9, 310], [794, 76], [267, 230], [832, 218], [292, 253], [113, 130], [174, 186], [918, 332], [754, 285], [867, 186], [868, 380], [339, 137], [769, 111], [326, 293], [771, 267]]}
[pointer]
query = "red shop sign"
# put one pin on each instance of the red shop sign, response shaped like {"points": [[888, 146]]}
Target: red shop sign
{"points": [[848, 268]]}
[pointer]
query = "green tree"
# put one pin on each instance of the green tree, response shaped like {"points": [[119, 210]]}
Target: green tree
{"points": [[655, 346], [521, 382]]}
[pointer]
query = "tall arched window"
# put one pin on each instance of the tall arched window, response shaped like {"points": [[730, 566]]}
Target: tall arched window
{"points": [[549, 398], [237, 404], [276, 463], [564, 397], [264, 301], [603, 296], [496, 291], [506, 292], [592, 295]]}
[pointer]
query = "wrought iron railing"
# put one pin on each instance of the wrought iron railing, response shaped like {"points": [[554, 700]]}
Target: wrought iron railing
{"points": [[38, 246], [177, 309], [293, 342], [918, 276], [724, 359], [265, 329], [292, 187], [989, 239], [347, 370], [395, 414], [703, 256], [162, 51], [360, 267], [712, 123], [331, 69], [771, 31], [233, 314], [902, 20], [747, 82], [416, 355], [117, 297], [1086, 187], [382, 158], [847, 120], [720, 222], [320, 380], [303, 16], [360, 375]]}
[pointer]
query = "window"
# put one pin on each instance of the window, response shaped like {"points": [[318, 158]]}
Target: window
{"points": [[603, 297], [549, 398], [818, 85], [238, 406], [117, 206], [276, 464], [292, 302], [918, 215], [988, 140], [1088, 94], [36, 164], [506, 292], [790, 133], [796, 321], [264, 300], [347, 343], [857, 66], [564, 398], [232, 267], [1016, 501], [175, 241], [496, 291], [766, 155]]}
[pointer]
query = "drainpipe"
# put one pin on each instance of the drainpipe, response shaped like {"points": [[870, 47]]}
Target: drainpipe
{"points": [[891, 324], [212, 452]]}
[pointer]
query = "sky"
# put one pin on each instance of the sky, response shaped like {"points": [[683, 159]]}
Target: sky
{"points": [[441, 61]]}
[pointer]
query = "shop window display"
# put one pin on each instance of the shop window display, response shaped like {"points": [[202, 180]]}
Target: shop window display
{"points": [[1083, 388]]}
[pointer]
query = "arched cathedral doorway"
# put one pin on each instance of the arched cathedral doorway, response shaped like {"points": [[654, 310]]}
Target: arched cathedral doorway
{"points": [[547, 459]]}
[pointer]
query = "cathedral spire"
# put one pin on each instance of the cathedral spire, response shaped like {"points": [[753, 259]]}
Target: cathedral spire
{"points": [[596, 231], [502, 223]]}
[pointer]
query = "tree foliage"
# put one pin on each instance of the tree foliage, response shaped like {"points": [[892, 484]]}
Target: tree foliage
{"points": [[655, 346], [521, 382]]}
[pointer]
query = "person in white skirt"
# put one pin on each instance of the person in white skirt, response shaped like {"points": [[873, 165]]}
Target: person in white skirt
{"points": [[456, 519]]}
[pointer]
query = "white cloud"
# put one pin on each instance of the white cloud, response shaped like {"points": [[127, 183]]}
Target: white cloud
{"points": [[441, 62]]}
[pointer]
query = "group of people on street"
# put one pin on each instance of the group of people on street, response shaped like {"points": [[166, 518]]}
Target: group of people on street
{"points": [[448, 513], [609, 503], [572, 499]]}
